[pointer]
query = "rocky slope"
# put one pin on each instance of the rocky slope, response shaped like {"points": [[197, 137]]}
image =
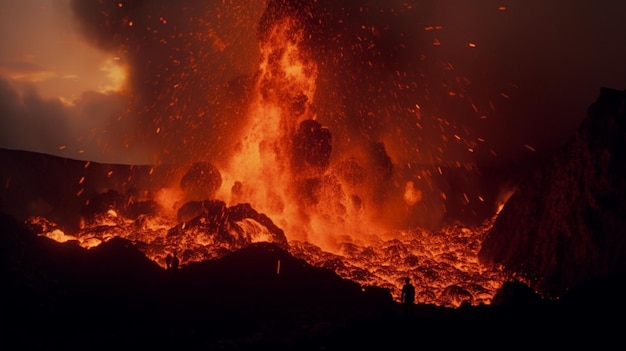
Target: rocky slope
{"points": [[566, 223], [63, 296]]}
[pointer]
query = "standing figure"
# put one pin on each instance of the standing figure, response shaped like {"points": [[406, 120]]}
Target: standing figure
{"points": [[408, 295]]}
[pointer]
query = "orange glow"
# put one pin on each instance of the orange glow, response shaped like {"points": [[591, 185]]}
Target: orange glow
{"points": [[411, 194], [116, 74], [341, 224], [58, 235], [287, 77], [169, 199]]}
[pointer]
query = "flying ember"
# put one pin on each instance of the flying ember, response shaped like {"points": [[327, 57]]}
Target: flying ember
{"points": [[295, 179]]}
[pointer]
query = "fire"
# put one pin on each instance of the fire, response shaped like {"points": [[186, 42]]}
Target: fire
{"points": [[169, 199], [116, 74], [411, 194], [319, 207], [59, 236], [262, 172]]}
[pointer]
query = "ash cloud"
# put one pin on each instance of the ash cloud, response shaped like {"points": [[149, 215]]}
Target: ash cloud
{"points": [[189, 65], [431, 83], [454, 84], [22, 114], [397, 72], [74, 131], [490, 76]]}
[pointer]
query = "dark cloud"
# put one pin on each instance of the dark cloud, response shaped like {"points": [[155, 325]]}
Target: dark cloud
{"points": [[188, 62], [490, 76], [403, 86], [385, 66], [453, 83], [93, 126], [23, 115]]}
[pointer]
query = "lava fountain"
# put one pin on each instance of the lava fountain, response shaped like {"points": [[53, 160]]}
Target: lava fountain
{"points": [[285, 183], [282, 164]]}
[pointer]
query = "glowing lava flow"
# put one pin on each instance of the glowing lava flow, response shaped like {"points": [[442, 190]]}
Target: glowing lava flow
{"points": [[282, 168]]}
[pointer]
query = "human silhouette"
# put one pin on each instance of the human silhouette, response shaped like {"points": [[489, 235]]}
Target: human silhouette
{"points": [[408, 295], [175, 262]]}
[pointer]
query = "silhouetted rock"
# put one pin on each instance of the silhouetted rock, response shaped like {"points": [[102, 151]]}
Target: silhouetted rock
{"points": [[58, 188], [258, 297], [515, 293], [566, 223], [120, 259], [265, 273]]}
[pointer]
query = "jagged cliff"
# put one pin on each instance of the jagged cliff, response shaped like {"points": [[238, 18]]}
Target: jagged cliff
{"points": [[566, 223]]}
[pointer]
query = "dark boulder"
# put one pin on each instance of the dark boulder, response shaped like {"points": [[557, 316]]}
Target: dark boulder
{"points": [[515, 293]]}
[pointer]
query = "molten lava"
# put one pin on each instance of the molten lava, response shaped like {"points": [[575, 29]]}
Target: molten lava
{"points": [[284, 91], [321, 206]]}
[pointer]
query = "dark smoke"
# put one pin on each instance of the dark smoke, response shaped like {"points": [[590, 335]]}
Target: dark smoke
{"points": [[189, 63], [47, 126], [535, 68], [404, 88], [528, 81]]}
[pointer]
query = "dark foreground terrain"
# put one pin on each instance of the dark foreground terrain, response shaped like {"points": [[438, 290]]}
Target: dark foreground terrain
{"points": [[61, 295]]}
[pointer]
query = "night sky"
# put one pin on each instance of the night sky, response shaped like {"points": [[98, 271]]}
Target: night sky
{"points": [[138, 82]]}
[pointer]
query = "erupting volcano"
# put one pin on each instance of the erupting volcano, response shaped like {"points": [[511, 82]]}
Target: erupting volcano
{"points": [[351, 209], [375, 185], [353, 142]]}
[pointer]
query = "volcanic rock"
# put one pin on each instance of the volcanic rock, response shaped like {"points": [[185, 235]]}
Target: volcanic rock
{"points": [[265, 273], [515, 293], [566, 223], [260, 297], [113, 293], [60, 189], [113, 200], [239, 224], [201, 181]]}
